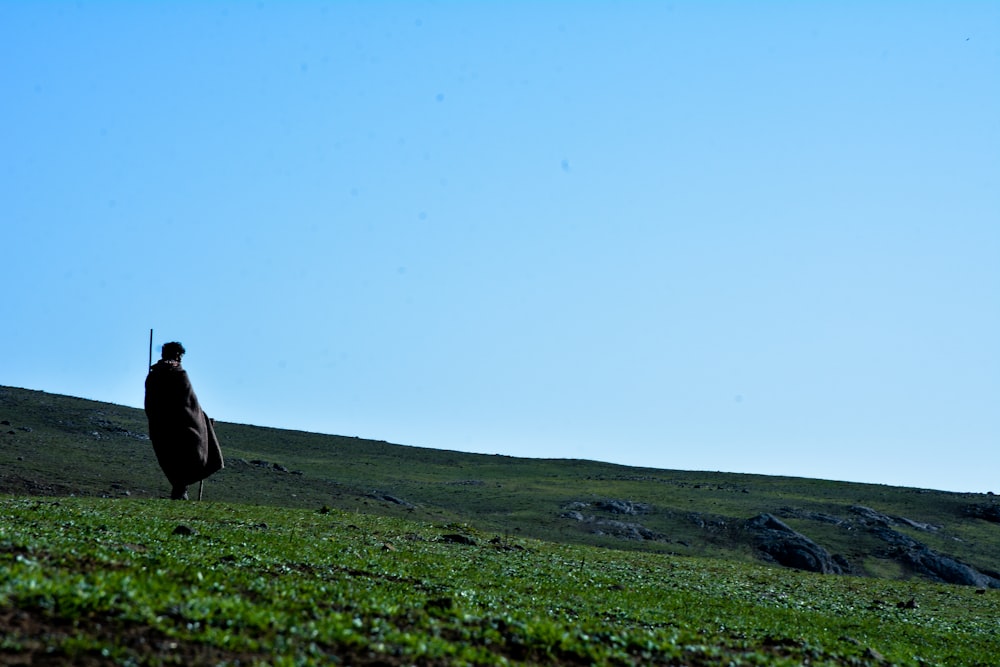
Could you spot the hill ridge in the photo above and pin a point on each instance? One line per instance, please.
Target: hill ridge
(692, 513)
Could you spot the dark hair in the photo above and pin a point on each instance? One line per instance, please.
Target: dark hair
(172, 350)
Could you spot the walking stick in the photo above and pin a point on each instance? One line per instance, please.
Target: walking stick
(201, 488)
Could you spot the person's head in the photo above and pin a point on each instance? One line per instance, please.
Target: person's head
(172, 351)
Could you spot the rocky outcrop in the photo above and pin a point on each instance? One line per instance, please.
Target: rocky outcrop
(389, 498)
(625, 530)
(795, 513)
(782, 545)
(622, 507)
(870, 517)
(945, 569)
(931, 564)
(985, 511)
(905, 550)
(916, 556)
(597, 525)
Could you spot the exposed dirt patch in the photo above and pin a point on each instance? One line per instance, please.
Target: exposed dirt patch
(34, 632)
(16, 485)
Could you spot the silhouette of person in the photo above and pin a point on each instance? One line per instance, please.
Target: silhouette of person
(184, 439)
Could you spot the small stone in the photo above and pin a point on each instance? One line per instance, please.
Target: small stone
(872, 654)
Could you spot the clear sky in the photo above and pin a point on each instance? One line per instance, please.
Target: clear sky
(757, 237)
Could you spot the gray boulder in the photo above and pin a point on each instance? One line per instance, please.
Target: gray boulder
(782, 545)
(931, 564)
(870, 518)
(945, 569)
(625, 530)
(986, 511)
(622, 507)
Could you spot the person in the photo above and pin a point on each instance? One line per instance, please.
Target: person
(184, 439)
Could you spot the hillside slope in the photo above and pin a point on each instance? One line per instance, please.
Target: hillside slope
(59, 445)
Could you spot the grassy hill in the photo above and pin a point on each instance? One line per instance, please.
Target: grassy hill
(316, 549)
(99, 582)
(59, 445)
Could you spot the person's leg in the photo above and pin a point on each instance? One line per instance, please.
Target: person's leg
(179, 492)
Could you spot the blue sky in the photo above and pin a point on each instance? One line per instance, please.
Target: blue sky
(750, 237)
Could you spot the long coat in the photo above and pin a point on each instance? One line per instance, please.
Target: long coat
(184, 439)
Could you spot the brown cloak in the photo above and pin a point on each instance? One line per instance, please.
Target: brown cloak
(183, 436)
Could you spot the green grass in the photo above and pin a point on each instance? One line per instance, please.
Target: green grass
(108, 581)
(698, 513)
(337, 557)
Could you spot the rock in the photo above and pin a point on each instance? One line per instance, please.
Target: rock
(611, 506)
(929, 563)
(622, 507)
(872, 654)
(268, 465)
(910, 553)
(181, 529)
(945, 569)
(710, 522)
(620, 529)
(795, 513)
(625, 530)
(456, 538)
(378, 495)
(501, 544)
(870, 517)
(926, 527)
(779, 543)
(986, 511)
